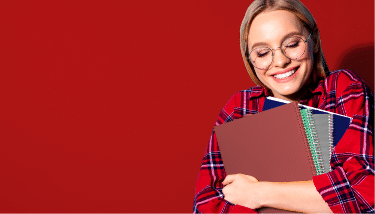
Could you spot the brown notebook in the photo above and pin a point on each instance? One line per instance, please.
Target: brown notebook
(270, 145)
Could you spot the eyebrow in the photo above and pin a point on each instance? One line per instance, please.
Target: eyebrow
(284, 37)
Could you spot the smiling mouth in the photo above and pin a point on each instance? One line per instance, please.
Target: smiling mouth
(285, 75)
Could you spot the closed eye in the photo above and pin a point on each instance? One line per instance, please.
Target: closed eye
(292, 45)
(263, 53)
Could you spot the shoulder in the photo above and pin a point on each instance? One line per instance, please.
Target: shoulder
(238, 105)
(248, 94)
(242, 98)
(349, 93)
(344, 80)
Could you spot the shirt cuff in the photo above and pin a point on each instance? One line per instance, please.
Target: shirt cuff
(336, 191)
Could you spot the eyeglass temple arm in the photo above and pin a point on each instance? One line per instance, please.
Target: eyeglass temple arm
(308, 37)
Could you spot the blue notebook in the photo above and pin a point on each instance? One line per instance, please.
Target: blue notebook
(340, 122)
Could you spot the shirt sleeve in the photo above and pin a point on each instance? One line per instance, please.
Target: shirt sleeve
(208, 193)
(349, 187)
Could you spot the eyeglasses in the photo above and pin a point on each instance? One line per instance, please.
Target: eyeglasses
(293, 48)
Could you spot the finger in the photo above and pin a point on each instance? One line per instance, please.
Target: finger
(229, 179)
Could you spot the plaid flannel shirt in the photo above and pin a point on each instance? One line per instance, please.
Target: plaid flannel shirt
(348, 188)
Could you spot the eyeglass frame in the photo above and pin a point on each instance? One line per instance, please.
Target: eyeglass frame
(282, 51)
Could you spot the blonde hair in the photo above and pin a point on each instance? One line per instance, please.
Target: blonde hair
(320, 69)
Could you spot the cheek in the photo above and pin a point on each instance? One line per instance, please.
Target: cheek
(309, 63)
(308, 54)
(261, 76)
(308, 60)
(260, 73)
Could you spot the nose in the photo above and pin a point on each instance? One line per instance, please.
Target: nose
(279, 59)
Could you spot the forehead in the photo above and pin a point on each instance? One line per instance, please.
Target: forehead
(271, 27)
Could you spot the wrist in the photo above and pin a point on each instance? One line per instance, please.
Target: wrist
(260, 190)
(266, 193)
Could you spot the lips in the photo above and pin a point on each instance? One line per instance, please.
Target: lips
(285, 71)
(285, 75)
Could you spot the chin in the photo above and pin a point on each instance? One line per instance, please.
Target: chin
(288, 92)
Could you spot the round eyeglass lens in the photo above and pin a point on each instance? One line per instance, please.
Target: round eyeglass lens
(294, 47)
(261, 57)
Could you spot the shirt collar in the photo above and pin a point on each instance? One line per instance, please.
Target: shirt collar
(259, 91)
(318, 89)
(313, 91)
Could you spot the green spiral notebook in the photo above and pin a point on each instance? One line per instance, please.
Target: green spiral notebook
(318, 132)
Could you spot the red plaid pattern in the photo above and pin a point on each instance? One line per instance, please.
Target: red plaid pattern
(348, 188)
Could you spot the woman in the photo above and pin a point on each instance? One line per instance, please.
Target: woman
(281, 48)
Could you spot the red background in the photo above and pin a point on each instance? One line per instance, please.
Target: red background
(108, 106)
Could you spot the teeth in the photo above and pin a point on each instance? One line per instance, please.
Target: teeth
(285, 75)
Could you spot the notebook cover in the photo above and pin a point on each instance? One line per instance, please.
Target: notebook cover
(340, 122)
(270, 145)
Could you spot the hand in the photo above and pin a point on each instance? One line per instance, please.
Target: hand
(242, 190)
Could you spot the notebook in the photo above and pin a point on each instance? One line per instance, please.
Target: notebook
(318, 132)
(323, 126)
(270, 145)
(340, 123)
(312, 138)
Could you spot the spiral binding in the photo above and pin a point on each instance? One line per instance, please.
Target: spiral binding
(312, 138)
(330, 137)
(304, 139)
(316, 141)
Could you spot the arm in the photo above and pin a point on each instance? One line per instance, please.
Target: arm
(299, 196)
(208, 193)
(349, 187)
